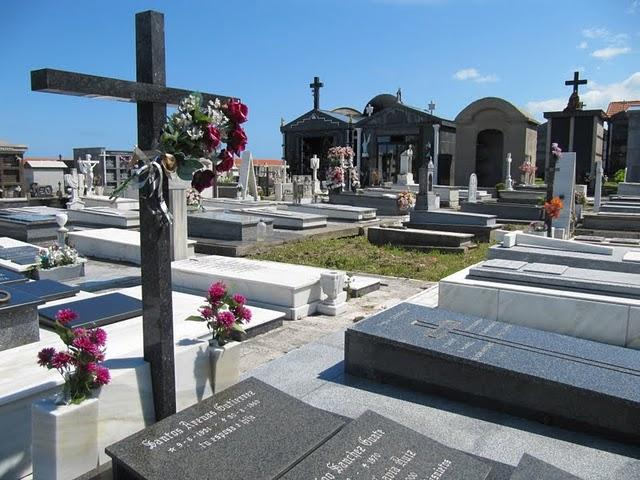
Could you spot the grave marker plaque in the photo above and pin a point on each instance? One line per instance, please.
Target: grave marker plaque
(248, 431)
(373, 447)
(96, 311)
(7, 277)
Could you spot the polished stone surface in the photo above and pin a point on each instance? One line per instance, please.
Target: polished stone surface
(226, 226)
(8, 277)
(573, 382)
(531, 468)
(48, 290)
(373, 447)
(251, 417)
(98, 311)
(18, 318)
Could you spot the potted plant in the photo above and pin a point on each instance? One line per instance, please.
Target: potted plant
(65, 427)
(580, 202)
(194, 200)
(59, 263)
(225, 316)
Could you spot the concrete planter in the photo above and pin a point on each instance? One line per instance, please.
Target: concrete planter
(64, 439)
(224, 365)
(65, 272)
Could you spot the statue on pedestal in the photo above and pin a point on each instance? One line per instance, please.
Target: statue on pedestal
(315, 165)
(86, 167)
(406, 167)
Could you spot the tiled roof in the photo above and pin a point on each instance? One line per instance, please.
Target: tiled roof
(623, 106)
(261, 162)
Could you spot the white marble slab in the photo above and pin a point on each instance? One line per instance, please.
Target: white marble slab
(600, 317)
(288, 219)
(7, 242)
(126, 404)
(120, 203)
(335, 211)
(559, 244)
(105, 217)
(113, 244)
(292, 289)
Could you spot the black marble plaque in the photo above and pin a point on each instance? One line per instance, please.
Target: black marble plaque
(531, 468)
(7, 277)
(373, 447)
(48, 290)
(558, 379)
(249, 431)
(96, 311)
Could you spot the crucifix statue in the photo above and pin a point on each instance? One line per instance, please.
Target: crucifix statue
(316, 86)
(86, 167)
(152, 96)
(574, 100)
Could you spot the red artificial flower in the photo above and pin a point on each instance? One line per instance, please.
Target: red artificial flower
(226, 319)
(217, 291)
(65, 316)
(237, 111)
(244, 313)
(206, 312)
(45, 356)
(227, 161)
(212, 137)
(241, 299)
(61, 360)
(553, 207)
(102, 375)
(237, 140)
(202, 179)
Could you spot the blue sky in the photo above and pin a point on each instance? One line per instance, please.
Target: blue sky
(267, 52)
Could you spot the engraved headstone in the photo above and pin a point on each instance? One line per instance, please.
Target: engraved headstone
(247, 182)
(243, 432)
(597, 193)
(374, 447)
(563, 187)
(473, 188)
(72, 181)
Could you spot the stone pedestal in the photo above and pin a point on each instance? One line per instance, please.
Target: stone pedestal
(405, 179)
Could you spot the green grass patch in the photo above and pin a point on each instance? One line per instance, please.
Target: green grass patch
(356, 254)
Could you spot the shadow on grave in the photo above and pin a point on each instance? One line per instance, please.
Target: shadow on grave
(454, 402)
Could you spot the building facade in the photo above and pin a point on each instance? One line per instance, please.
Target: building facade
(11, 156)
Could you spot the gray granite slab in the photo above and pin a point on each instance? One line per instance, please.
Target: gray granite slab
(18, 318)
(373, 447)
(569, 381)
(248, 431)
(505, 264)
(225, 226)
(96, 311)
(531, 468)
(562, 277)
(7, 277)
(547, 268)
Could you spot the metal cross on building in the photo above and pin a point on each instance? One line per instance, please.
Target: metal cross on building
(316, 86)
(152, 97)
(432, 107)
(576, 81)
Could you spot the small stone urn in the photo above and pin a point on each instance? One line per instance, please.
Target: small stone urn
(332, 284)
(61, 220)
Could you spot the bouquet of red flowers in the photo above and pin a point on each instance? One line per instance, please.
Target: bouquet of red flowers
(81, 363)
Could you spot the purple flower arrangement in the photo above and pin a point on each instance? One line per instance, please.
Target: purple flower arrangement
(224, 313)
(81, 363)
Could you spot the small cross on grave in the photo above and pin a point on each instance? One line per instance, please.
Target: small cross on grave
(437, 331)
(316, 86)
(576, 82)
(152, 96)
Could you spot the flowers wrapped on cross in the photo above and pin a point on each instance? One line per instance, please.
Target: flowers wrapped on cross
(197, 143)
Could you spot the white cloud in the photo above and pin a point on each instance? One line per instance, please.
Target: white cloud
(474, 75)
(595, 32)
(596, 96)
(583, 45)
(634, 7)
(610, 52)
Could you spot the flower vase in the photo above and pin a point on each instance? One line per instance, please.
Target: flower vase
(332, 284)
(224, 365)
(64, 438)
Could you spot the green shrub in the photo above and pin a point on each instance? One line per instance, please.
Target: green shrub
(619, 176)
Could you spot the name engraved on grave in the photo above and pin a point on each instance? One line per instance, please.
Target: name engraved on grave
(228, 265)
(373, 447)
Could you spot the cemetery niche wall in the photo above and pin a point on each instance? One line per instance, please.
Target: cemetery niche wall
(486, 130)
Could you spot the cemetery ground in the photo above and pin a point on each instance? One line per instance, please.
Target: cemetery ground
(356, 254)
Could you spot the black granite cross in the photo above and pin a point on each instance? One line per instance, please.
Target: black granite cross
(576, 81)
(316, 86)
(152, 98)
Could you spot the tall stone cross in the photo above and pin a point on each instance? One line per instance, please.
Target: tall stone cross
(316, 86)
(576, 82)
(152, 97)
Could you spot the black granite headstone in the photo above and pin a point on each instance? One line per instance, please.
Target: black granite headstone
(531, 468)
(48, 290)
(7, 277)
(373, 447)
(249, 431)
(555, 378)
(96, 311)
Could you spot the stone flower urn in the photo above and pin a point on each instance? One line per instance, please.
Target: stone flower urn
(332, 284)
(62, 219)
(224, 364)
